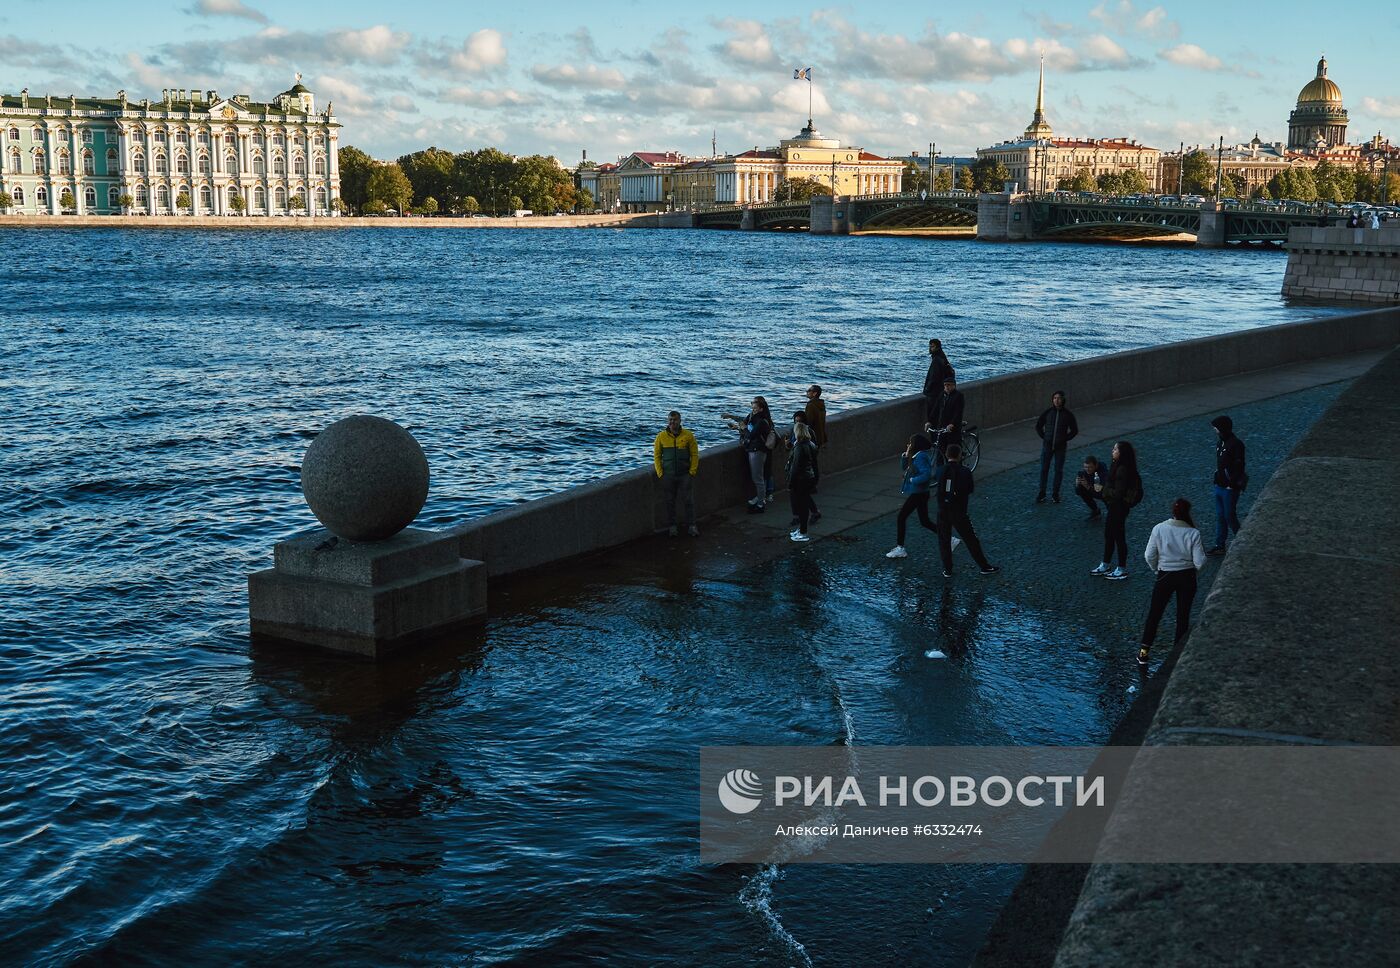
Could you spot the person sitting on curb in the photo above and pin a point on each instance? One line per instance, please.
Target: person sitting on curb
(1055, 428)
(1230, 481)
(1089, 482)
(954, 485)
(946, 418)
(1174, 552)
(917, 464)
(677, 458)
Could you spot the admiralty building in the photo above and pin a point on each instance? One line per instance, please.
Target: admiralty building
(192, 152)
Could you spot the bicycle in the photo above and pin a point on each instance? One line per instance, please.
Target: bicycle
(971, 445)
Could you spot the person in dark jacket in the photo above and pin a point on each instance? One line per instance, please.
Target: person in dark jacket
(804, 417)
(1089, 482)
(802, 475)
(916, 463)
(1121, 492)
(1055, 428)
(938, 369)
(1230, 480)
(953, 485)
(757, 437)
(946, 418)
(815, 414)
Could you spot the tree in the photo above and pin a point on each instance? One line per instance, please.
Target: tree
(236, 202)
(5, 201)
(183, 200)
(125, 201)
(355, 169)
(470, 205)
(66, 200)
(375, 207)
(295, 203)
(1197, 174)
(430, 172)
(583, 201)
(1261, 193)
(429, 206)
(388, 184)
(965, 180)
(989, 175)
(1296, 184)
(516, 203)
(915, 177)
(1081, 181)
(801, 188)
(1110, 183)
(943, 180)
(1231, 185)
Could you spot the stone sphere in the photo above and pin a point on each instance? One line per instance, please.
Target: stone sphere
(365, 478)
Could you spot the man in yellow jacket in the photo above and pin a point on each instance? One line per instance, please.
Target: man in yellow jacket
(677, 459)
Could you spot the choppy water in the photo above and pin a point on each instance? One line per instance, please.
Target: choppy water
(526, 794)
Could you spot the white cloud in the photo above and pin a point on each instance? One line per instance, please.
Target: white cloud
(1192, 56)
(481, 53)
(372, 45)
(1381, 107)
(227, 8)
(351, 99)
(1124, 18)
(748, 43)
(590, 76)
(485, 98)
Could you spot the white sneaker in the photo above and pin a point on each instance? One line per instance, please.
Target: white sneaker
(1102, 569)
(897, 552)
(1117, 574)
(799, 536)
(956, 541)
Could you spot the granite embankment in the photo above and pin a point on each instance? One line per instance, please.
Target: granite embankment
(302, 222)
(1297, 644)
(627, 506)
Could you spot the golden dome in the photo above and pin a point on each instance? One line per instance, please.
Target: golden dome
(1320, 88)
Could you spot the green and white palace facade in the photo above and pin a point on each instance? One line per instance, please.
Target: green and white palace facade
(192, 152)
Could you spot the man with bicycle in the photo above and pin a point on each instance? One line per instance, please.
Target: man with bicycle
(946, 418)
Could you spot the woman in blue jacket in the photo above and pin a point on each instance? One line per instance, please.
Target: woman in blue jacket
(917, 464)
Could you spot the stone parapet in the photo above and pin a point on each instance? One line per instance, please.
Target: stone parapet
(302, 222)
(1344, 264)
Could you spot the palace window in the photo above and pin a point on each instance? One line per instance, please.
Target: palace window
(111, 161)
(203, 164)
(90, 197)
(41, 196)
(16, 166)
(279, 199)
(114, 198)
(87, 136)
(182, 138)
(18, 195)
(259, 166)
(319, 165)
(14, 134)
(230, 164)
(278, 141)
(162, 165)
(138, 163)
(162, 197)
(36, 134)
(65, 164)
(202, 137)
(320, 200)
(228, 139)
(89, 167)
(259, 198)
(140, 196)
(182, 164)
(160, 137)
(279, 165)
(206, 198)
(257, 140)
(39, 160)
(299, 165)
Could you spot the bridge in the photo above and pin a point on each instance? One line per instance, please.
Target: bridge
(1015, 217)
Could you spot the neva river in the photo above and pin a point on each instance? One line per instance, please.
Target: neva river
(526, 795)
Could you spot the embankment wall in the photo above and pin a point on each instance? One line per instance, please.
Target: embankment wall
(1344, 264)
(301, 222)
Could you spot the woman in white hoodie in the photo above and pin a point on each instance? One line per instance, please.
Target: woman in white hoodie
(1175, 553)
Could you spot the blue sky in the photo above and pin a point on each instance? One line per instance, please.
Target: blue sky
(612, 77)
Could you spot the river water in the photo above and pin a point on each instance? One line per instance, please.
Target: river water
(526, 794)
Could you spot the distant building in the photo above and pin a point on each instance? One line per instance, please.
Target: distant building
(277, 157)
(1255, 163)
(1318, 121)
(1038, 161)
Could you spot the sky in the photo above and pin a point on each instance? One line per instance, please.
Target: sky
(614, 77)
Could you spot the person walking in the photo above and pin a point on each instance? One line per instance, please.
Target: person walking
(917, 464)
(938, 369)
(676, 456)
(1055, 428)
(802, 474)
(946, 418)
(954, 485)
(1230, 480)
(1089, 482)
(1175, 553)
(1121, 492)
(757, 437)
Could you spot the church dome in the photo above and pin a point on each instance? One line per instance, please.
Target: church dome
(1321, 89)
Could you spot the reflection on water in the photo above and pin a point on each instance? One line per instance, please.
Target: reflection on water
(524, 792)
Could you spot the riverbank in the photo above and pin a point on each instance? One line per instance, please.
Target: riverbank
(302, 222)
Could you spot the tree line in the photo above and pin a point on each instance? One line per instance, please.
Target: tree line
(459, 183)
(1325, 182)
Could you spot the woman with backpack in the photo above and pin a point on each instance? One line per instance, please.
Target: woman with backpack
(917, 464)
(1174, 552)
(758, 438)
(1120, 492)
(802, 475)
